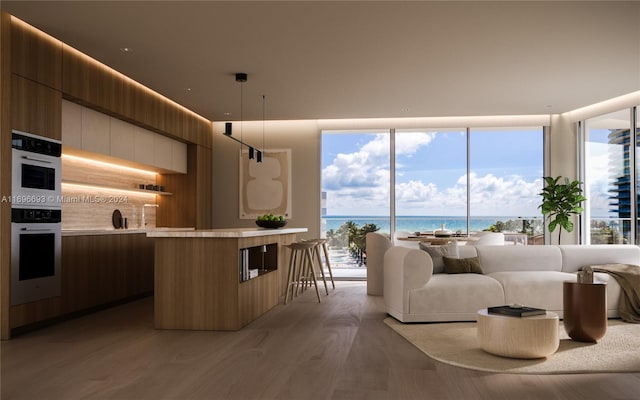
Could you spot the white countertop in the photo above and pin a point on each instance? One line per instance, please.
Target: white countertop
(95, 232)
(223, 233)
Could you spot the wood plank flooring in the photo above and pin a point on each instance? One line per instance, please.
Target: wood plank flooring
(339, 349)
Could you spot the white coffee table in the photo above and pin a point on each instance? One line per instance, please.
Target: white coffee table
(515, 337)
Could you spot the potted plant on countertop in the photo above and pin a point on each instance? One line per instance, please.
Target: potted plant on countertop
(560, 201)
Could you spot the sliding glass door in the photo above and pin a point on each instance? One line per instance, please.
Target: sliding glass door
(608, 180)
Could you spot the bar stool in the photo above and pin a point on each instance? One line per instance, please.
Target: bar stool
(322, 243)
(301, 269)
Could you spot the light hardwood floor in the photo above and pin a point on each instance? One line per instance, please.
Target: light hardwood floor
(340, 349)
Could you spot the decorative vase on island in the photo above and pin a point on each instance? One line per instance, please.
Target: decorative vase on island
(442, 232)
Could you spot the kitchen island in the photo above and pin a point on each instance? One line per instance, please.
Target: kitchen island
(218, 279)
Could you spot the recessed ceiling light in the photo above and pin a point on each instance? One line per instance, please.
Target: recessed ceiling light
(227, 114)
(126, 49)
(187, 89)
(405, 109)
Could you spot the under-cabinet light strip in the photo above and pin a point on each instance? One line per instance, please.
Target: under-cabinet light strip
(107, 164)
(86, 186)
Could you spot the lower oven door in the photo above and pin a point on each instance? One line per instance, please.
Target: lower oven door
(35, 261)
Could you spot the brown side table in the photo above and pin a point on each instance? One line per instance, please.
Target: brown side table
(585, 310)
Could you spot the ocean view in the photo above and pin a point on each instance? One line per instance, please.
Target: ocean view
(420, 223)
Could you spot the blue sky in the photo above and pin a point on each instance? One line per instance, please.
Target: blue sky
(506, 172)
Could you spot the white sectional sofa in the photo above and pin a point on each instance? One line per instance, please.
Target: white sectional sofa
(528, 275)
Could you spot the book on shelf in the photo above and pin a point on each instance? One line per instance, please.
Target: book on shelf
(516, 311)
(253, 273)
(244, 265)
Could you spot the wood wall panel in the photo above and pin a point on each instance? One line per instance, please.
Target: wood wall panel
(35, 55)
(5, 173)
(204, 185)
(79, 77)
(36, 108)
(190, 205)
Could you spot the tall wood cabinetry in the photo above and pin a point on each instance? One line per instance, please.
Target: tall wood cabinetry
(36, 73)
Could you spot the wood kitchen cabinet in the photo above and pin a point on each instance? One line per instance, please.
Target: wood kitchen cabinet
(35, 108)
(36, 56)
(97, 270)
(101, 269)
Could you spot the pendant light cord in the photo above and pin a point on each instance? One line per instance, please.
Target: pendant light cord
(263, 107)
(241, 117)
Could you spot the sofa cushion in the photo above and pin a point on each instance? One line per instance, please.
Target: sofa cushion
(462, 265)
(575, 257)
(540, 289)
(455, 294)
(519, 258)
(437, 252)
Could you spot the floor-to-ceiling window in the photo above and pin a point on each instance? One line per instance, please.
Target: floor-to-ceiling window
(467, 179)
(608, 180)
(505, 181)
(355, 194)
(430, 187)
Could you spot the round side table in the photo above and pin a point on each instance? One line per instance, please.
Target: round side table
(518, 337)
(585, 310)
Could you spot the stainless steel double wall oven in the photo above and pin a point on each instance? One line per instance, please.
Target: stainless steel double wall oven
(36, 218)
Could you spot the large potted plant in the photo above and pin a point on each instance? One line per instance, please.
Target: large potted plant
(560, 201)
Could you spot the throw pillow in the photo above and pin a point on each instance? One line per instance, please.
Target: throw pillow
(437, 252)
(462, 265)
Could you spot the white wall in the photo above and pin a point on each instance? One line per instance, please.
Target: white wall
(563, 155)
(302, 137)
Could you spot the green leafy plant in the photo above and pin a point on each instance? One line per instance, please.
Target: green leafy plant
(560, 201)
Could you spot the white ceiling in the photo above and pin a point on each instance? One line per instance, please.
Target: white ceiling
(358, 59)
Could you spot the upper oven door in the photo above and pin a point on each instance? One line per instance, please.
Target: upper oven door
(36, 180)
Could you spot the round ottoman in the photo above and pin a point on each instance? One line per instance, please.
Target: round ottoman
(518, 337)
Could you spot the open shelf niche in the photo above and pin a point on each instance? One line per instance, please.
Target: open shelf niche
(257, 261)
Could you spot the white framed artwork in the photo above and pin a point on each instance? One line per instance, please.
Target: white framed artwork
(265, 188)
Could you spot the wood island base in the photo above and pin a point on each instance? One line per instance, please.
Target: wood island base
(198, 280)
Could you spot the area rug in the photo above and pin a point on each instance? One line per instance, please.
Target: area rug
(455, 343)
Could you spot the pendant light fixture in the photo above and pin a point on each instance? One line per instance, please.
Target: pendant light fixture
(228, 126)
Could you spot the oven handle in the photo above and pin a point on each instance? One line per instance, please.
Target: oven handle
(36, 229)
(36, 159)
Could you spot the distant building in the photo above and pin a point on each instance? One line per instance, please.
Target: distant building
(620, 198)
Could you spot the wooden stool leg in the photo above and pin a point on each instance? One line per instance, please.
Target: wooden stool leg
(326, 259)
(290, 275)
(299, 273)
(316, 251)
(313, 274)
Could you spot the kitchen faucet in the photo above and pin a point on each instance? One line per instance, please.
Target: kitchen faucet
(144, 218)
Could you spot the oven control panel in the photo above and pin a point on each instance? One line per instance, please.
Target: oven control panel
(28, 215)
(33, 144)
